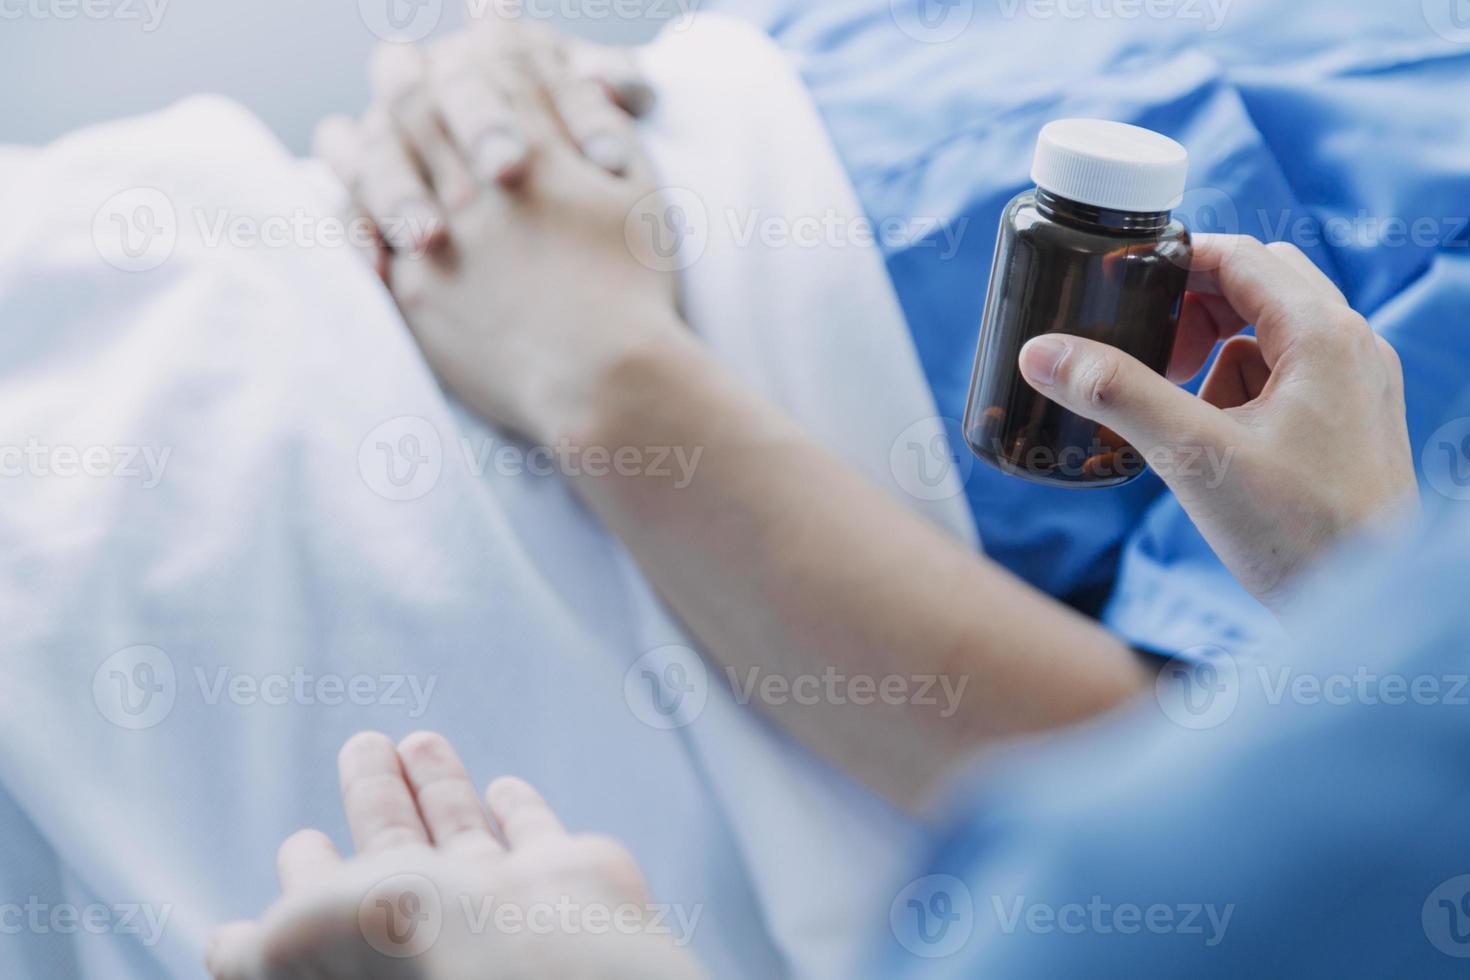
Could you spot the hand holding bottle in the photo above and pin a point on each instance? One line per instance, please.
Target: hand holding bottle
(1298, 437)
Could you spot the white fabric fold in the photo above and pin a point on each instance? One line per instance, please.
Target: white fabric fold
(239, 520)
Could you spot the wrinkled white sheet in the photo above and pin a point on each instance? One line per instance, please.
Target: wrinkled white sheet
(206, 587)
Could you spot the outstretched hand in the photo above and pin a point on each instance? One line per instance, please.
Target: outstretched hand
(444, 889)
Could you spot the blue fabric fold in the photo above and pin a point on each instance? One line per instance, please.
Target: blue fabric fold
(1344, 127)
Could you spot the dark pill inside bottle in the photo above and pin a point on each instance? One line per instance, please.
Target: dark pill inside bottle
(1092, 251)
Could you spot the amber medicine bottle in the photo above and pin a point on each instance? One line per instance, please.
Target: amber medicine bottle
(1094, 251)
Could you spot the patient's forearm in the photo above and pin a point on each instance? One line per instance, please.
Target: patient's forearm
(785, 563)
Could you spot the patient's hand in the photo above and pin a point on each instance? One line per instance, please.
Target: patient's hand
(435, 893)
(1298, 437)
(440, 125)
(540, 296)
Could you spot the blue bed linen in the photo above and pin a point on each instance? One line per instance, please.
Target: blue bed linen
(1318, 122)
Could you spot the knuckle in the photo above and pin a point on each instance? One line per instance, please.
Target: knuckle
(1390, 355)
(410, 292)
(1349, 322)
(1250, 246)
(1342, 333)
(503, 67)
(1356, 329)
(580, 91)
(1287, 251)
(423, 745)
(278, 954)
(390, 837)
(607, 858)
(1393, 365)
(1100, 382)
(412, 112)
(580, 108)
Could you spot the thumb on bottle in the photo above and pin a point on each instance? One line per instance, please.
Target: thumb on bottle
(1111, 388)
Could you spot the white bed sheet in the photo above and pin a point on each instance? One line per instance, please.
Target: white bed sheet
(491, 607)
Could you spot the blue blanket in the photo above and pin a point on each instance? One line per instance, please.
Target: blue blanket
(1341, 126)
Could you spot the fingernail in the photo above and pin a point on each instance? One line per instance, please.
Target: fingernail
(498, 156)
(608, 152)
(1042, 357)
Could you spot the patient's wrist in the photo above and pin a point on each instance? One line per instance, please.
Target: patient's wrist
(606, 395)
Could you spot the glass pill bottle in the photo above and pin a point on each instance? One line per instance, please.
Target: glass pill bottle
(1092, 251)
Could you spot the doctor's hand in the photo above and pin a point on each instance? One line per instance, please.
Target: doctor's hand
(1298, 437)
(438, 892)
(441, 124)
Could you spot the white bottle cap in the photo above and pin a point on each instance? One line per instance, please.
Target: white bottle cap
(1110, 165)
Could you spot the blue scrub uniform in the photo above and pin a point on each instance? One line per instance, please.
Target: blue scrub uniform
(1303, 816)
